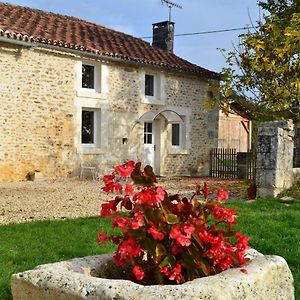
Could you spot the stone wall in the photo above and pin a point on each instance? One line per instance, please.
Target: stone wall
(275, 158)
(36, 113)
(40, 115)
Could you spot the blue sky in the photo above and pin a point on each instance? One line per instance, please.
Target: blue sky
(136, 17)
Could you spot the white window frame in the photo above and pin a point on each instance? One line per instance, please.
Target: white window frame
(158, 91)
(97, 128)
(95, 76)
(185, 128)
(100, 75)
(182, 135)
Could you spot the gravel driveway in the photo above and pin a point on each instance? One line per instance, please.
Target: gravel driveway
(69, 198)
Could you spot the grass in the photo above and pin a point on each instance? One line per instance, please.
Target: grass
(273, 227)
(24, 246)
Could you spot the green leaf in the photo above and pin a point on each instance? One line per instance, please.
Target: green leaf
(160, 250)
(172, 219)
(168, 261)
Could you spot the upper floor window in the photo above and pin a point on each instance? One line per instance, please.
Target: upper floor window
(88, 76)
(149, 85)
(91, 79)
(153, 88)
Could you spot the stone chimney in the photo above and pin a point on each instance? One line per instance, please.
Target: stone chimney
(163, 35)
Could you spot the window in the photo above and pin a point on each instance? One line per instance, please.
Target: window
(152, 88)
(88, 127)
(179, 135)
(147, 133)
(176, 135)
(149, 85)
(88, 76)
(90, 118)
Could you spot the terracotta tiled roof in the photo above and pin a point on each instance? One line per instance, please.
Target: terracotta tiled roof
(32, 25)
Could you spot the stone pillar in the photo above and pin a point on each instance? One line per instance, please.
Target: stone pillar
(274, 165)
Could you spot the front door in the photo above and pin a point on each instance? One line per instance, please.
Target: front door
(149, 146)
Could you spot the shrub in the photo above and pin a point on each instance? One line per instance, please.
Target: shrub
(169, 239)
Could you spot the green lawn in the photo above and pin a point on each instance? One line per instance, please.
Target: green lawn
(273, 226)
(24, 246)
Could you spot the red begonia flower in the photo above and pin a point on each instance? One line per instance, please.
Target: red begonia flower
(112, 187)
(138, 272)
(128, 189)
(157, 235)
(108, 178)
(138, 222)
(224, 214)
(102, 237)
(121, 222)
(107, 208)
(175, 274)
(189, 230)
(126, 169)
(177, 235)
(222, 195)
(127, 250)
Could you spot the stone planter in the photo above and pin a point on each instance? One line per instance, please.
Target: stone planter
(269, 277)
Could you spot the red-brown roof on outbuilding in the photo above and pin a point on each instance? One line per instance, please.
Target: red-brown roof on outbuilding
(36, 26)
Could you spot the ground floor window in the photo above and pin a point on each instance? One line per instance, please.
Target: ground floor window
(90, 131)
(178, 135)
(148, 133)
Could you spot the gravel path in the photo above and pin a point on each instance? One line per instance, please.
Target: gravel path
(70, 198)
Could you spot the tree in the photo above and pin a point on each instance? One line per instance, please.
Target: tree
(265, 67)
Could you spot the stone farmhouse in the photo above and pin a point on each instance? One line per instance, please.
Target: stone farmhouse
(73, 92)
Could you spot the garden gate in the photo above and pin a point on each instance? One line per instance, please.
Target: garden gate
(230, 164)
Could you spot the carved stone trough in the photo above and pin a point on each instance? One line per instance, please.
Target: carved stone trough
(267, 277)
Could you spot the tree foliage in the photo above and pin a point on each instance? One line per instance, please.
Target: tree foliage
(265, 66)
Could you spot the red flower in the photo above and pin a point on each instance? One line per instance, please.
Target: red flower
(160, 194)
(224, 214)
(138, 272)
(102, 237)
(242, 241)
(205, 236)
(222, 195)
(108, 178)
(107, 208)
(175, 273)
(149, 196)
(127, 250)
(121, 222)
(139, 221)
(165, 270)
(128, 189)
(177, 235)
(157, 235)
(189, 230)
(112, 187)
(126, 169)
(244, 271)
